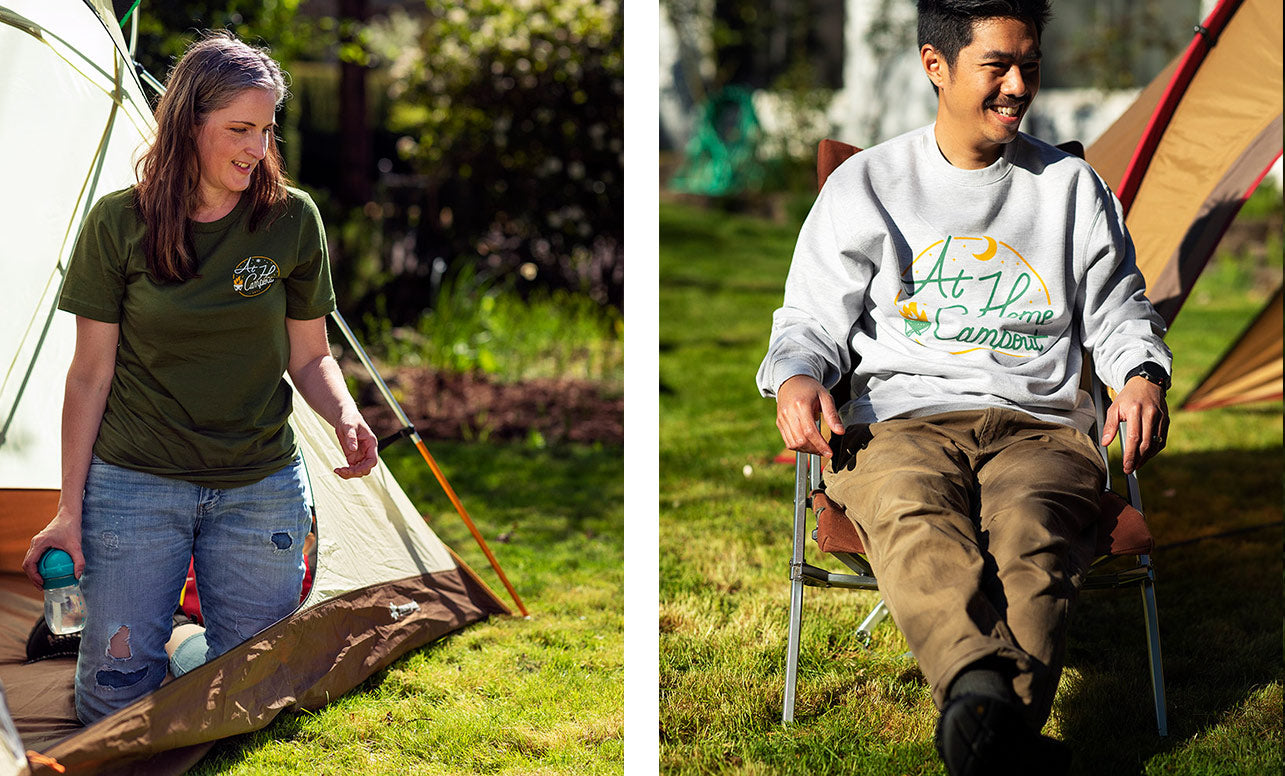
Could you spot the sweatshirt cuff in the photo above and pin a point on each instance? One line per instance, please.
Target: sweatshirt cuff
(784, 370)
(1127, 363)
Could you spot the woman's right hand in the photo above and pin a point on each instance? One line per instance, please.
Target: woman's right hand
(62, 532)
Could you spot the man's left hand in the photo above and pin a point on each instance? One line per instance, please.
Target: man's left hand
(1141, 406)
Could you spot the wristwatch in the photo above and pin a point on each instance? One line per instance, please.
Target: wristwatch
(1152, 373)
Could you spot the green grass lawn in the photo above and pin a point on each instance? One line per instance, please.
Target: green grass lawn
(507, 696)
(725, 546)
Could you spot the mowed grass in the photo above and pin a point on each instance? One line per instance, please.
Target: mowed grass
(506, 696)
(1213, 500)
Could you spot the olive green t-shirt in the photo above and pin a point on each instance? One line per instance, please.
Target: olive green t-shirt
(198, 392)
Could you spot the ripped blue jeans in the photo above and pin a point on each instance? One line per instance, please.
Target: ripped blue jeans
(138, 533)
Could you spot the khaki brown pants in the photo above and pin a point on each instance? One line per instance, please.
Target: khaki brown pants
(980, 526)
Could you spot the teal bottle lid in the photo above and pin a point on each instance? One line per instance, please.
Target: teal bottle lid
(56, 569)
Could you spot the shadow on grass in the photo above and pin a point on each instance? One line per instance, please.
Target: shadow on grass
(1218, 588)
(576, 485)
(553, 516)
(674, 282)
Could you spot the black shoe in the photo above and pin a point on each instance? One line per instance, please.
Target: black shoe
(978, 735)
(43, 643)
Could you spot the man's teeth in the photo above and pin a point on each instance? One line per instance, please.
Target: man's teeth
(1003, 111)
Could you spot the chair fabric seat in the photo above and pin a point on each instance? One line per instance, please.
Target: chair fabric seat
(1121, 531)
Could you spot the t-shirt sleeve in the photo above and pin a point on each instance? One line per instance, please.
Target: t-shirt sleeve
(94, 286)
(309, 293)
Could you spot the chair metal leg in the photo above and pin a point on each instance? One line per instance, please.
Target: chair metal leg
(1153, 655)
(801, 478)
(872, 620)
(792, 648)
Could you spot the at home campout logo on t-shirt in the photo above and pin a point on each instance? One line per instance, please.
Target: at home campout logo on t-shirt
(254, 275)
(962, 294)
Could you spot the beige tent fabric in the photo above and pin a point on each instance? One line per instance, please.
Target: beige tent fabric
(56, 63)
(1228, 119)
(1251, 371)
(368, 531)
(1111, 152)
(1221, 138)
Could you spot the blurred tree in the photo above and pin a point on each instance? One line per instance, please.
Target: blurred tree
(355, 168)
(1114, 44)
(511, 114)
(165, 29)
(758, 42)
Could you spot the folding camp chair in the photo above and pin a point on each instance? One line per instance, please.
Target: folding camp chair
(1122, 532)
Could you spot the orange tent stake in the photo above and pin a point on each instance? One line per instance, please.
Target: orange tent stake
(450, 493)
(409, 430)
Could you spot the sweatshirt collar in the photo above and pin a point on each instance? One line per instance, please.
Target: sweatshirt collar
(985, 176)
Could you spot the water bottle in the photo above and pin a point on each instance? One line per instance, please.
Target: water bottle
(64, 604)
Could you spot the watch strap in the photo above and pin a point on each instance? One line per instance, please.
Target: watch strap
(1152, 373)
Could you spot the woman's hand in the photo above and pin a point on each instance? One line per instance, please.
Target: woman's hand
(321, 384)
(359, 444)
(62, 532)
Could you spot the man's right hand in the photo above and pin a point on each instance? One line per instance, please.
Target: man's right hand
(799, 401)
(62, 532)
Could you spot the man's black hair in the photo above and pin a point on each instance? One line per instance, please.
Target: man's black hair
(947, 25)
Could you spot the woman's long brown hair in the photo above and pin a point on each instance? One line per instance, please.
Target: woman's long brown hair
(212, 72)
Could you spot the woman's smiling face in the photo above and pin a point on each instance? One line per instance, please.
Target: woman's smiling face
(231, 143)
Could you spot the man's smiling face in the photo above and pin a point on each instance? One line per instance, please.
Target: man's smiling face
(984, 95)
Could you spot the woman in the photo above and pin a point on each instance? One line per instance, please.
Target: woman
(194, 291)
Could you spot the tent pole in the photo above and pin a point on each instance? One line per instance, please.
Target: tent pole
(423, 451)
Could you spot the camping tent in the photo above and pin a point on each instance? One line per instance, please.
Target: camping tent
(1183, 158)
(384, 584)
(1251, 371)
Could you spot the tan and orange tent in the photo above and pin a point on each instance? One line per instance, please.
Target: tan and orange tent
(76, 117)
(1251, 370)
(1184, 157)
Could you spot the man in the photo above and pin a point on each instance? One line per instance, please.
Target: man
(967, 266)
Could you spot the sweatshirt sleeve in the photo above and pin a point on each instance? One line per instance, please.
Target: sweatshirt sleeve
(824, 295)
(1121, 328)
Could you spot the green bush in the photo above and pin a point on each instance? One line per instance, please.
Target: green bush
(511, 114)
(479, 325)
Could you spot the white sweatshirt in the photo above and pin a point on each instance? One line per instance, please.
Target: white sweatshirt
(963, 289)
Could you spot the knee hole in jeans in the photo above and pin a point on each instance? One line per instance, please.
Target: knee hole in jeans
(118, 649)
(118, 645)
(119, 679)
(282, 540)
